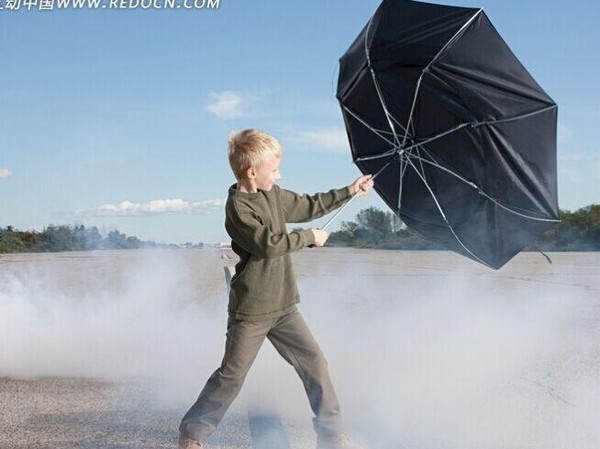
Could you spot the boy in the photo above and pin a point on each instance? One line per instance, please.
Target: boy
(264, 294)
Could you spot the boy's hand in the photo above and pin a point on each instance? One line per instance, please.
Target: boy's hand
(362, 185)
(320, 236)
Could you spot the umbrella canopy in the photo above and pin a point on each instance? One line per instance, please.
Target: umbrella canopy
(460, 135)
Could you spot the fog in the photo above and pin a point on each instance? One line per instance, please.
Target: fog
(426, 350)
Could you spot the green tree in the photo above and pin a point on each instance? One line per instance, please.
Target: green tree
(66, 238)
(374, 226)
(10, 241)
(116, 240)
(56, 238)
(345, 236)
(88, 239)
(375, 220)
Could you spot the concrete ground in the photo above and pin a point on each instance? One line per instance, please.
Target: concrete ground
(427, 350)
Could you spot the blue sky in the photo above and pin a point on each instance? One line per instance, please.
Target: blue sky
(120, 119)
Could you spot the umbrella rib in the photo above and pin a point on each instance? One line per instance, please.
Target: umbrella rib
(452, 39)
(433, 161)
(400, 125)
(440, 135)
(482, 192)
(378, 156)
(383, 131)
(390, 118)
(383, 105)
(517, 117)
(376, 84)
(403, 167)
(399, 205)
(428, 154)
(476, 124)
(426, 69)
(444, 215)
(377, 132)
(367, 125)
(420, 162)
(412, 107)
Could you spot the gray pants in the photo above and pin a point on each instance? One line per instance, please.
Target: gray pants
(293, 340)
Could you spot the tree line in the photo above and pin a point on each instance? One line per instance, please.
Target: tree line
(374, 228)
(66, 238)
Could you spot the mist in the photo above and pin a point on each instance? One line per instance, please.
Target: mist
(426, 349)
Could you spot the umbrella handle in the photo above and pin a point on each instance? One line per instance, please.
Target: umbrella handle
(354, 196)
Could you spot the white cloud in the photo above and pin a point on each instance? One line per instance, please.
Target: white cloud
(172, 206)
(328, 138)
(226, 104)
(5, 173)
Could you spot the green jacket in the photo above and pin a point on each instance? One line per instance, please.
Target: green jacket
(264, 284)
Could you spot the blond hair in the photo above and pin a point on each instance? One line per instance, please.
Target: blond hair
(247, 148)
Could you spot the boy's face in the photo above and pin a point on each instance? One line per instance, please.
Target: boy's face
(267, 174)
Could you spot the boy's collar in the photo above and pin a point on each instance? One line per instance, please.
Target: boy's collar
(239, 192)
(247, 185)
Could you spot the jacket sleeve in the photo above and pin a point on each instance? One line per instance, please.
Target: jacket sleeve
(301, 208)
(246, 229)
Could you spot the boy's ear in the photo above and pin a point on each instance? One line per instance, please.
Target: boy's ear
(251, 173)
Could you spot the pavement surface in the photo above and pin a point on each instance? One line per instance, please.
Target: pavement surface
(91, 344)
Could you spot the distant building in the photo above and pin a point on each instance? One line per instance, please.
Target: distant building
(190, 245)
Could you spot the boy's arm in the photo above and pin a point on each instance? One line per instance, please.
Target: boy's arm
(256, 238)
(301, 208)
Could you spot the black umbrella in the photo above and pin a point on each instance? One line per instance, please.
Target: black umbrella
(460, 135)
